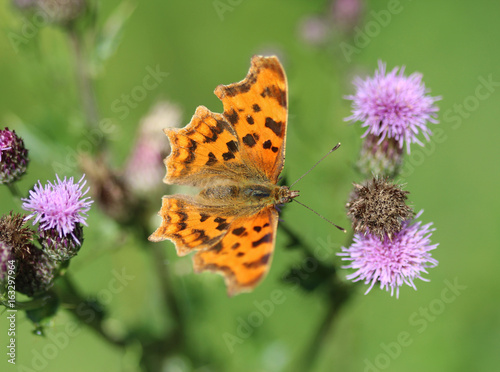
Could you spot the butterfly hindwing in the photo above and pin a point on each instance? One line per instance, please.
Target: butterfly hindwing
(189, 224)
(244, 254)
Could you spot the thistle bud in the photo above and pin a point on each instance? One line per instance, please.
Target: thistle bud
(36, 271)
(13, 156)
(382, 158)
(61, 248)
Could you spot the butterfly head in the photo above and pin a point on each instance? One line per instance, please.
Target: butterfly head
(285, 195)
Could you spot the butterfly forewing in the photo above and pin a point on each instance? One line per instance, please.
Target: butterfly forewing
(206, 149)
(257, 108)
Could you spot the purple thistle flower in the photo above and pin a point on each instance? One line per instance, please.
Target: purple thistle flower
(59, 206)
(13, 156)
(394, 262)
(393, 105)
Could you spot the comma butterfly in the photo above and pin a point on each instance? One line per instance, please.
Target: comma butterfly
(236, 158)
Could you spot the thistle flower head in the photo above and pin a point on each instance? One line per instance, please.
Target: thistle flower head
(391, 263)
(13, 156)
(14, 237)
(60, 205)
(35, 272)
(393, 105)
(378, 208)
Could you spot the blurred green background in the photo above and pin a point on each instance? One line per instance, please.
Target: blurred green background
(201, 44)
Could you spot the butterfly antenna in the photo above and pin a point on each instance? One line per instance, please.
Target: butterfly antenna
(314, 166)
(326, 219)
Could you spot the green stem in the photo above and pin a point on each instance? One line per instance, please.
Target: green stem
(337, 296)
(85, 84)
(295, 239)
(155, 351)
(166, 286)
(336, 302)
(14, 190)
(32, 304)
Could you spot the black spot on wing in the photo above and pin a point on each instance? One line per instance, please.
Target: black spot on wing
(250, 119)
(265, 239)
(256, 108)
(228, 156)
(222, 224)
(211, 159)
(275, 126)
(259, 262)
(249, 140)
(201, 235)
(221, 126)
(232, 117)
(275, 92)
(215, 131)
(239, 231)
(232, 146)
(217, 247)
(267, 144)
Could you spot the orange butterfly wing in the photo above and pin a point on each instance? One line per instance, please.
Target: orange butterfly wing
(189, 224)
(244, 255)
(257, 109)
(206, 149)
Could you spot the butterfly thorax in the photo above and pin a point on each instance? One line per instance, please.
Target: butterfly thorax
(259, 194)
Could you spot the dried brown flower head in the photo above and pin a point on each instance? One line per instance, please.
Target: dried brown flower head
(14, 234)
(378, 208)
